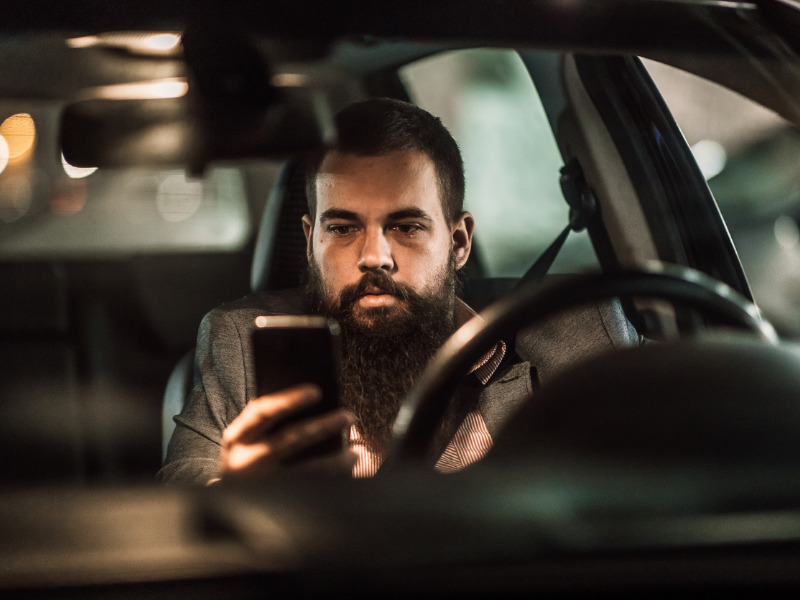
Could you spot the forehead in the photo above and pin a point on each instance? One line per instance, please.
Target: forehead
(372, 185)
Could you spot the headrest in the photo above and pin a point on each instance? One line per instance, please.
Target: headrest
(279, 257)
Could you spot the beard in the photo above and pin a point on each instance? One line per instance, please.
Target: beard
(383, 350)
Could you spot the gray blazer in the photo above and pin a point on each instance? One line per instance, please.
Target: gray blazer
(224, 374)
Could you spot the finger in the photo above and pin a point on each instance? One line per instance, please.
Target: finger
(261, 414)
(243, 459)
(273, 451)
(269, 452)
(297, 437)
(258, 460)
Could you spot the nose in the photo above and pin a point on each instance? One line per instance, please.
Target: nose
(376, 252)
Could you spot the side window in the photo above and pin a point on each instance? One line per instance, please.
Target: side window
(750, 157)
(487, 100)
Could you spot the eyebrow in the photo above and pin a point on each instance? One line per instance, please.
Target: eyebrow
(410, 213)
(347, 215)
(336, 213)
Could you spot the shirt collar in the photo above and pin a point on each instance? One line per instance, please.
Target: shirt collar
(487, 364)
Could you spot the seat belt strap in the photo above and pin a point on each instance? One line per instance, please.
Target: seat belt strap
(582, 207)
(542, 265)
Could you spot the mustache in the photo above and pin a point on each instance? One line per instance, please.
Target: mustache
(369, 283)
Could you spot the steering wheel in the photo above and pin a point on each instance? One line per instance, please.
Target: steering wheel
(426, 403)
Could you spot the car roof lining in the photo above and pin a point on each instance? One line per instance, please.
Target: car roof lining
(65, 71)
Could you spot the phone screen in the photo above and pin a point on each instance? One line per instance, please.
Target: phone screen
(294, 349)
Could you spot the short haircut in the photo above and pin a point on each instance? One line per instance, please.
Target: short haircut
(382, 126)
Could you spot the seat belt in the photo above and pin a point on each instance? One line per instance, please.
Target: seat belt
(582, 208)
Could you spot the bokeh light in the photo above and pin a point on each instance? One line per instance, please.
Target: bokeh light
(19, 132)
(76, 172)
(4, 154)
(163, 41)
(15, 198)
(136, 42)
(143, 90)
(178, 198)
(68, 196)
(786, 232)
(710, 156)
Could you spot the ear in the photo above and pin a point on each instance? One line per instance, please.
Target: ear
(308, 229)
(462, 238)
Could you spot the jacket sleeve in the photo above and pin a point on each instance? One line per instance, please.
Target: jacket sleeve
(221, 387)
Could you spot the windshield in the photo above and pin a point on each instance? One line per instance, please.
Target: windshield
(49, 208)
(626, 421)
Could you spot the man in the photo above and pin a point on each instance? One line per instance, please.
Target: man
(386, 237)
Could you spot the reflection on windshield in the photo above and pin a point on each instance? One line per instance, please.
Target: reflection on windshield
(49, 207)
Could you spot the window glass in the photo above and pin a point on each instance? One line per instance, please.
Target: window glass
(750, 157)
(48, 207)
(487, 100)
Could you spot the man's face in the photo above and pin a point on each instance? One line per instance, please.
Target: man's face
(384, 215)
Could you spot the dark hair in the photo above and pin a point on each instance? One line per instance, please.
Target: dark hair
(382, 126)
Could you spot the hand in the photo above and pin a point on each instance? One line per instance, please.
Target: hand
(251, 444)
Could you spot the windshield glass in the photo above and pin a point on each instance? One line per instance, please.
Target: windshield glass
(50, 208)
(576, 450)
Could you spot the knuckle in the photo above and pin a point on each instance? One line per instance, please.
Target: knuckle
(228, 437)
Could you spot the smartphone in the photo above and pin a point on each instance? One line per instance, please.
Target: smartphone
(293, 349)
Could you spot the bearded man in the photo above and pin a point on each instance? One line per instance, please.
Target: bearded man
(386, 238)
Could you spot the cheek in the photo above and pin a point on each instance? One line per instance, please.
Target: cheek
(333, 265)
(427, 268)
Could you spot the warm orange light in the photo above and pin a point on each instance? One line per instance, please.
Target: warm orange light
(163, 43)
(20, 135)
(174, 87)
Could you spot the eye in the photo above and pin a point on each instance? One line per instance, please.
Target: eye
(407, 228)
(340, 230)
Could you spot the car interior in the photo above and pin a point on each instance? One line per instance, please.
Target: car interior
(151, 169)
